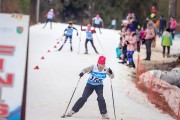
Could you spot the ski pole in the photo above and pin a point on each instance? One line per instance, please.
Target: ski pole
(113, 99)
(64, 115)
(79, 43)
(100, 43)
(61, 38)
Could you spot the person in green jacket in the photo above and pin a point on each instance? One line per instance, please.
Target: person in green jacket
(166, 42)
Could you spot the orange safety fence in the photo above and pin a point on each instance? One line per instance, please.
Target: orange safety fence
(160, 93)
(179, 113)
(178, 118)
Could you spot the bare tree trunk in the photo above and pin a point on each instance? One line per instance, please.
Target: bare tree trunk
(2, 6)
(33, 11)
(172, 8)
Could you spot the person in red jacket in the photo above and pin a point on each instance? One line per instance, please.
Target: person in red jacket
(153, 12)
(89, 37)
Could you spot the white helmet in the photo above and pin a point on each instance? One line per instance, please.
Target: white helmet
(51, 10)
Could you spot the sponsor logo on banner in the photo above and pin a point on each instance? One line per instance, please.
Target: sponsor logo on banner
(19, 29)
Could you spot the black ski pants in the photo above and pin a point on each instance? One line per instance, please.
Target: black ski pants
(92, 43)
(48, 20)
(87, 92)
(164, 49)
(148, 48)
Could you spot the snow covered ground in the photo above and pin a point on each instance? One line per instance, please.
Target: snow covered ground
(50, 88)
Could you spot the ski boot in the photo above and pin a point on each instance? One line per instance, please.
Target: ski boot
(86, 52)
(70, 113)
(105, 116)
(168, 56)
(71, 49)
(130, 65)
(96, 52)
(120, 61)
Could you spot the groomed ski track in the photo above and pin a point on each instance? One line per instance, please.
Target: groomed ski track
(51, 86)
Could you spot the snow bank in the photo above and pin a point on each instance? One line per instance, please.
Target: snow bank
(170, 92)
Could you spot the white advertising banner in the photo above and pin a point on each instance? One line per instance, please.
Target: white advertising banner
(14, 30)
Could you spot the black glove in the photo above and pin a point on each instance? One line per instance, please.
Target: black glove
(110, 71)
(127, 42)
(94, 31)
(81, 74)
(143, 41)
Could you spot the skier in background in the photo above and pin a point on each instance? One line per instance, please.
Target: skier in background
(98, 73)
(49, 17)
(68, 32)
(89, 37)
(113, 24)
(98, 22)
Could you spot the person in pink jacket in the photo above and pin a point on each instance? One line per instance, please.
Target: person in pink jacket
(149, 36)
(130, 40)
(173, 25)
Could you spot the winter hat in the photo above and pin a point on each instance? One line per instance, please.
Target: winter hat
(129, 30)
(97, 15)
(150, 23)
(70, 22)
(102, 60)
(51, 10)
(88, 25)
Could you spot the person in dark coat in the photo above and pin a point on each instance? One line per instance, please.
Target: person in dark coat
(162, 25)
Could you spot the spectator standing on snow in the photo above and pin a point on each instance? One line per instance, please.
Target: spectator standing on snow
(122, 33)
(124, 49)
(98, 73)
(119, 51)
(149, 37)
(131, 25)
(166, 42)
(162, 25)
(173, 25)
(153, 12)
(138, 39)
(145, 23)
(130, 41)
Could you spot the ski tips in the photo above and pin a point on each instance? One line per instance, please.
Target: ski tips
(63, 116)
